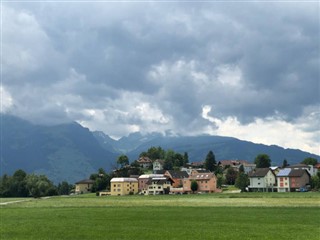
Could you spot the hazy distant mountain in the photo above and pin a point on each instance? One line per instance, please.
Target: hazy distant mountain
(63, 152)
(197, 147)
(71, 152)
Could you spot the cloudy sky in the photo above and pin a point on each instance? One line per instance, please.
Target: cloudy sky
(243, 69)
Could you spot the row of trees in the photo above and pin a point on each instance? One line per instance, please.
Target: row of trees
(21, 184)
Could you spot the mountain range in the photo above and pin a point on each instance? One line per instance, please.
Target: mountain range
(71, 152)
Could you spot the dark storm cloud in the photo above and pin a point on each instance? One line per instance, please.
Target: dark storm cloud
(123, 60)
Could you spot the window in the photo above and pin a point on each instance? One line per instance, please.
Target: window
(119, 189)
(114, 185)
(258, 183)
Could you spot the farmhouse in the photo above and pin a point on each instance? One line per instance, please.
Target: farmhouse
(84, 186)
(123, 186)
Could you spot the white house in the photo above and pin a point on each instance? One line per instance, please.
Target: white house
(158, 165)
(158, 185)
(262, 179)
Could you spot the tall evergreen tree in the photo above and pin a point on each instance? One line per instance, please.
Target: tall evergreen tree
(210, 162)
(285, 163)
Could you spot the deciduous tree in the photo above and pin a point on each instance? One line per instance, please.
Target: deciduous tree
(310, 161)
(262, 161)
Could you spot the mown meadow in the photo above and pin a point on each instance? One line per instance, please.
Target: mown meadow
(208, 216)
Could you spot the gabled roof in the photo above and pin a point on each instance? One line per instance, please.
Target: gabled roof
(159, 181)
(85, 181)
(144, 160)
(298, 172)
(259, 172)
(178, 174)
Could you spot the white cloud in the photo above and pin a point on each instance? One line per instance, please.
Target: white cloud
(271, 130)
(6, 100)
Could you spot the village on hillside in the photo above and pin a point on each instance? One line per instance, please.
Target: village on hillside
(205, 177)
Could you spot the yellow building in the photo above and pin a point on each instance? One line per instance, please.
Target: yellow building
(84, 186)
(123, 186)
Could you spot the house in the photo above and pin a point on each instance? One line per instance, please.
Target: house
(275, 169)
(207, 182)
(248, 167)
(144, 162)
(84, 186)
(143, 179)
(283, 182)
(158, 165)
(158, 185)
(311, 169)
(196, 164)
(231, 163)
(262, 180)
(177, 177)
(123, 186)
(299, 178)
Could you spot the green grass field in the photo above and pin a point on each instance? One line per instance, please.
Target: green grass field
(213, 216)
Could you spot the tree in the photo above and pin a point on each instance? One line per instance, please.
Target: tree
(231, 176)
(194, 186)
(315, 182)
(310, 161)
(262, 161)
(220, 180)
(285, 163)
(185, 159)
(210, 162)
(64, 188)
(101, 180)
(154, 153)
(123, 160)
(40, 186)
(242, 181)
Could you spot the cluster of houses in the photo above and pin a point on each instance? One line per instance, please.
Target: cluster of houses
(273, 179)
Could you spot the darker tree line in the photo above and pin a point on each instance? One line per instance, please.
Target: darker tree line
(21, 184)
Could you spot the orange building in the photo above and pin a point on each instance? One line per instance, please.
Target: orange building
(207, 182)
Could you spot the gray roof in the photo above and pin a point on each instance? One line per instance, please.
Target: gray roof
(298, 172)
(259, 172)
(178, 174)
